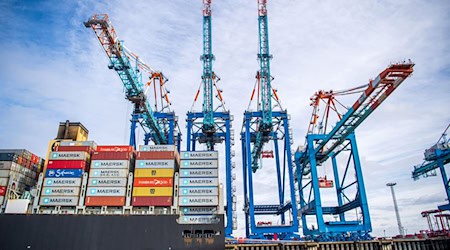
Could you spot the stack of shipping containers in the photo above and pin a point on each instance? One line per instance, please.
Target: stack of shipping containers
(19, 170)
(64, 173)
(107, 185)
(198, 187)
(154, 176)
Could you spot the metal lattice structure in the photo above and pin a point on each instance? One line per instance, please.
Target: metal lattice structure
(437, 156)
(158, 121)
(269, 124)
(338, 143)
(213, 125)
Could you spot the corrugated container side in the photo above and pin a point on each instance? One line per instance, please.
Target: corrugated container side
(198, 201)
(198, 173)
(152, 191)
(105, 191)
(119, 164)
(4, 181)
(107, 182)
(5, 165)
(153, 182)
(155, 163)
(198, 182)
(198, 191)
(155, 155)
(112, 155)
(62, 182)
(157, 148)
(92, 144)
(116, 201)
(158, 201)
(86, 149)
(64, 173)
(199, 164)
(59, 201)
(4, 173)
(110, 173)
(153, 172)
(115, 148)
(198, 210)
(79, 164)
(69, 155)
(61, 191)
(199, 155)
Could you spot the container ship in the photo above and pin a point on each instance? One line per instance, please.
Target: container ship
(89, 196)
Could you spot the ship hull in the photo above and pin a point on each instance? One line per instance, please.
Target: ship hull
(107, 232)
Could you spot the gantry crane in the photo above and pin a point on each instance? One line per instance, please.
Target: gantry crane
(213, 125)
(349, 219)
(158, 121)
(437, 156)
(268, 124)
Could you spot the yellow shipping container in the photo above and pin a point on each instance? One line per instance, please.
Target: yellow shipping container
(152, 191)
(153, 172)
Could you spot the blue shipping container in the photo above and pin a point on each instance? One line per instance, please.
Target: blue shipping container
(64, 173)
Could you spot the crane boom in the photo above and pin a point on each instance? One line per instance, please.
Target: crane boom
(375, 93)
(208, 74)
(119, 57)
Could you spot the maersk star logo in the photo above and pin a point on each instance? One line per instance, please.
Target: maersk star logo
(49, 182)
(185, 173)
(185, 209)
(186, 154)
(185, 191)
(47, 191)
(96, 164)
(46, 200)
(185, 163)
(184, 200)
(141, 164)
(95, 172)
(94, 182)
(93, 191)
(185, 181)
(55, 155)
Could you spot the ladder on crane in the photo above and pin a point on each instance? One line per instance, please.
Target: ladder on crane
(269, 124)
(213, 125)
(158, 122)
(337, 143)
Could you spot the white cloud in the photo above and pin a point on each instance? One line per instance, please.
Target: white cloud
(316, 45)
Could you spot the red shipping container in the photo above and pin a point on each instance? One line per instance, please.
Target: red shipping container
(2, 191)
(115, 148)
(86, 149)
(112, 155)
(155, 155)
(94, 201)
(158, 201)
(153, 182)
(66, 164)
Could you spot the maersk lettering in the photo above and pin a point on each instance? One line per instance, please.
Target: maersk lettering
(109, 164)
(108, 191)
(61, 182)
(110, 182)
(75, 155)
(200, 200)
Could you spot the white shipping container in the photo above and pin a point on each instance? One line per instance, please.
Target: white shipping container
(155, 164)
(61, 191)
(58, 201)
(199, 164)
(199, 155)
(69, 155)
(62, 182)
(4, 182)
(5, 165)
(198, 219)
(4, 173)
(107, 182)
(118, 164)
(92, 144)
(105, 191)
(198, 201)
(198, 191)
(117, 173)
(198, 210)
(198, 173)
(198, 182)
(156, 148)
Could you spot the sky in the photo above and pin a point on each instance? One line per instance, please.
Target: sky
(53, 69)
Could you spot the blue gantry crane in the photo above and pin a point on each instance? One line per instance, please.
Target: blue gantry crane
(436, 157)
(269, 123)
(349, 219)
(158, 121)
(213, 125)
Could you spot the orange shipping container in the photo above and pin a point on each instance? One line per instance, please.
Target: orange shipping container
(153, 182)
(94, 201)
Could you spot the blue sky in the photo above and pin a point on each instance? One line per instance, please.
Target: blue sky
(53, 69)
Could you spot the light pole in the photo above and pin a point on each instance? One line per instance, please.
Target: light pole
(397, 214)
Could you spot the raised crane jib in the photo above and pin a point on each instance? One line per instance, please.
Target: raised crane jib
(375, 93)
(208, 74)
(129, 75)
